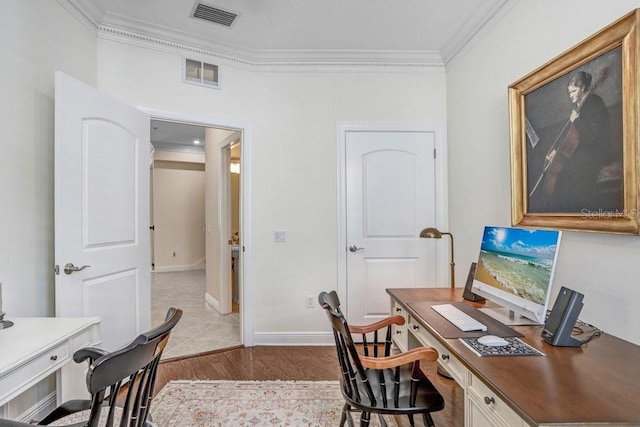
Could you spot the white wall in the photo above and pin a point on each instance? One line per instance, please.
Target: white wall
(293, 162)
(38, 38)
(178, 211)
(604, 267)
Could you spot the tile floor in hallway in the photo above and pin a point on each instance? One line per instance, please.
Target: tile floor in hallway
(201, 328)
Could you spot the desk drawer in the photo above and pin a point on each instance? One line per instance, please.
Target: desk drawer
(446, 359)
(23, 376)
(400, 332)
(484, 404)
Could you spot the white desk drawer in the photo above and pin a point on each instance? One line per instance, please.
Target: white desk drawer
(400, 332)
(488, 403)
(446, 359)
(23, 376)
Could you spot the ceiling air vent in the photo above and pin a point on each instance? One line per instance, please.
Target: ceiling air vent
(213, 14)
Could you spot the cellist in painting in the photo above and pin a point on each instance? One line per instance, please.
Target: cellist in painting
(576, 160)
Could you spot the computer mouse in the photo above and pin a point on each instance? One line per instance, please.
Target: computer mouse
(492, 341)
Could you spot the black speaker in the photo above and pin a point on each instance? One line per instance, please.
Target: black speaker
(558, 327)
(467, 294)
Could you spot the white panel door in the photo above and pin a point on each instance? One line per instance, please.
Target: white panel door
(390, 180)
(102, 210)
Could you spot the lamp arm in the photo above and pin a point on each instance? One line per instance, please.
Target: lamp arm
(452, 262)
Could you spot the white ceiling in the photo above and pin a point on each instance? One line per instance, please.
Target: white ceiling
(177, 136)
(431, 30)
(304, 27)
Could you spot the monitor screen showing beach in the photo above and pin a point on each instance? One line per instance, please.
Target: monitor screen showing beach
(518, 261)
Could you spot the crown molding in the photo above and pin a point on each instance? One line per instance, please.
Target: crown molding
(486, 13)
(122, 29)
(340, 61)
(87, 12)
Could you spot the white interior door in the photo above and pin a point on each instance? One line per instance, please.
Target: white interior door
(102, 210)
(390, 198)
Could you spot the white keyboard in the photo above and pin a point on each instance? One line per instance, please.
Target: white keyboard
(459, 318)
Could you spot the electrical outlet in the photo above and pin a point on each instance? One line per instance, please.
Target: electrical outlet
(311, 301)
(279, 236)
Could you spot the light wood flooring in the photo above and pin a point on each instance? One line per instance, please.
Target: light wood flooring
(301, 363)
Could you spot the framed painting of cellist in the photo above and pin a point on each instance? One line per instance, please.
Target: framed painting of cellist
(575, 137)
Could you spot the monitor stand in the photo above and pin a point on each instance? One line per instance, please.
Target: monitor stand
(4, 324)
(508, 317)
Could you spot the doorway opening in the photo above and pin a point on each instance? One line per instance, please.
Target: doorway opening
(196, 233)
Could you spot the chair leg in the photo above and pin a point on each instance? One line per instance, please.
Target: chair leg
(383, 422)
(365, 418)
(346, 416)
(411, 422)
(343, 417)
(428, 421)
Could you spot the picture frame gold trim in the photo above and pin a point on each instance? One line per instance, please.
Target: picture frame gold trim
(621, 34)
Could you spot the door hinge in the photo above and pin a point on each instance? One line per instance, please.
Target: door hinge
(434, 154)
(56, 270)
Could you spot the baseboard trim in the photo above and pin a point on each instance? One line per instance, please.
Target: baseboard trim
(170, 268)
(214, 303)
(293, 338)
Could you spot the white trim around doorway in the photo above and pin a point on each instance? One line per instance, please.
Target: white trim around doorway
(207, 120)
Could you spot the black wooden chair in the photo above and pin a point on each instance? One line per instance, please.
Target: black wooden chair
(120, 383)
(380, 383)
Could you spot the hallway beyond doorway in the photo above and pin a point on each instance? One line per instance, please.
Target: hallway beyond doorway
(202, 328)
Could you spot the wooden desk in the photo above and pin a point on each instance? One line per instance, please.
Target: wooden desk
(34, 348)
(596, 384)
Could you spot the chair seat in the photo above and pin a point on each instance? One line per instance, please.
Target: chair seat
(427, 396)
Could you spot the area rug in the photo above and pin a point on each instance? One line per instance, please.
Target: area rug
(251, 403)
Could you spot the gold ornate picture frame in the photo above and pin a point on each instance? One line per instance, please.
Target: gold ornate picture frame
(574, 136)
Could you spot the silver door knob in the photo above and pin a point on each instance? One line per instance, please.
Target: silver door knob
(354, 248)
(70, 268)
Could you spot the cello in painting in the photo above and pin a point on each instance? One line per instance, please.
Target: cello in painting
(572, 163)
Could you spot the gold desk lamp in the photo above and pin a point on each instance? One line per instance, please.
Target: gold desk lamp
(434, 233)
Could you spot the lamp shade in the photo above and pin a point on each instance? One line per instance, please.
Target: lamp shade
(431, 233)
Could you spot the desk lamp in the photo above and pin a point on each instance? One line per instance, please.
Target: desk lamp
(434, 233)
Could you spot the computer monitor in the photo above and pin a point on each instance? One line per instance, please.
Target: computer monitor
(515, 270)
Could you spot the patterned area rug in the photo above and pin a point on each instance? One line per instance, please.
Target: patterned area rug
(251, 403)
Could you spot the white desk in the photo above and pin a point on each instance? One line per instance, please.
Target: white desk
(34, 348)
